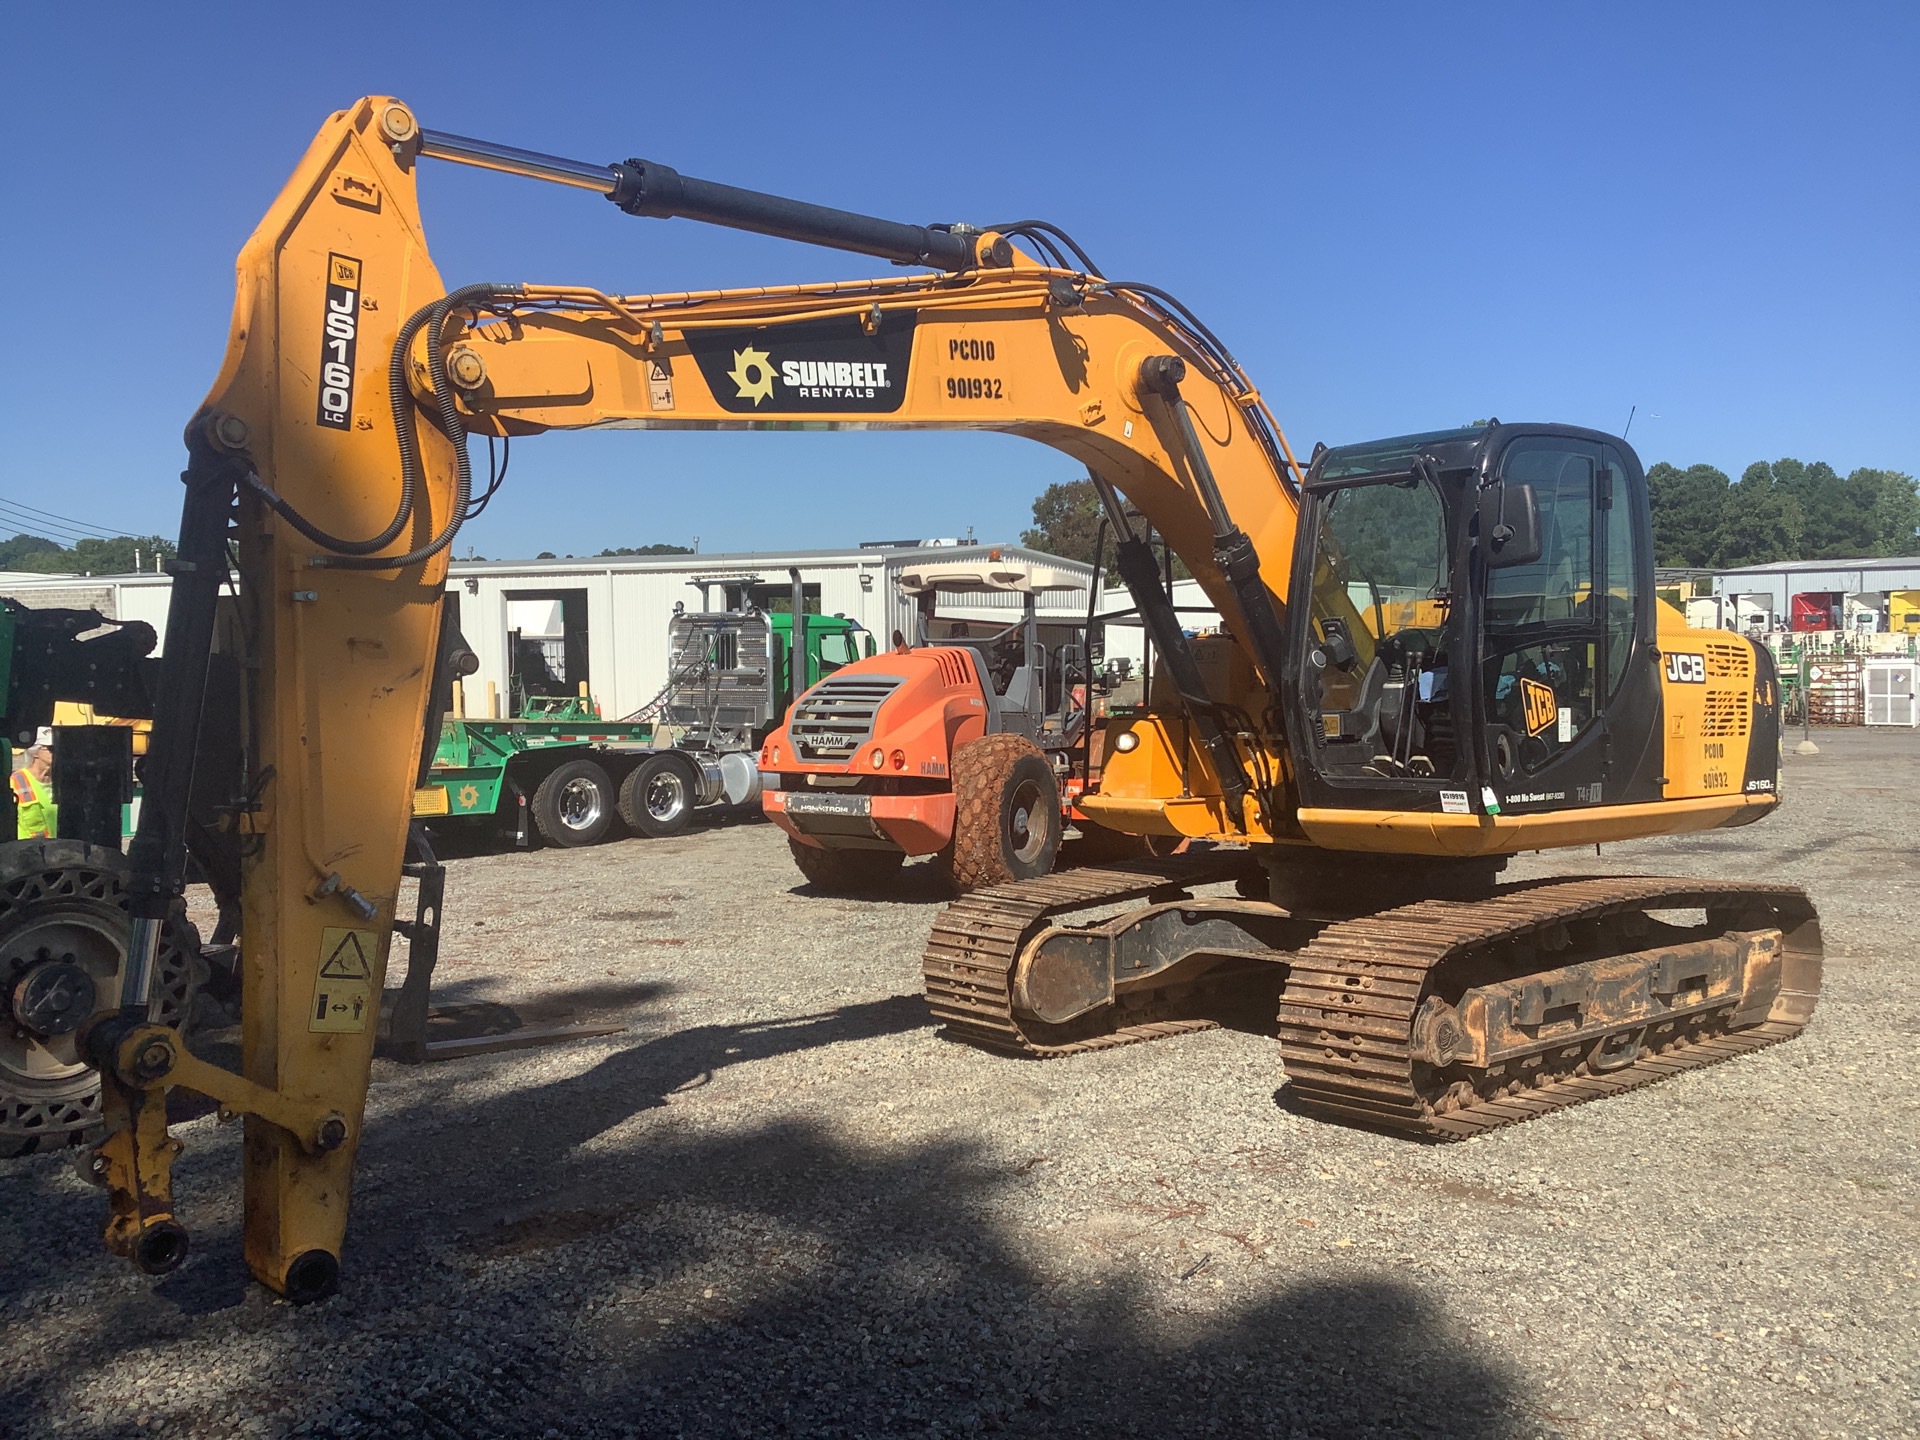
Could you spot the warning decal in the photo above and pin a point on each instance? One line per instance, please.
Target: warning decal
(343, 999)
(1543, 712)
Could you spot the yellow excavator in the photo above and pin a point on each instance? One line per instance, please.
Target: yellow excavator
(1440, 650)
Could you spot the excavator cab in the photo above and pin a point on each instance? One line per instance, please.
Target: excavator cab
(1473, 610)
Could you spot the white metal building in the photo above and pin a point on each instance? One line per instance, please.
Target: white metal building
(605, 620)
(1863, 583)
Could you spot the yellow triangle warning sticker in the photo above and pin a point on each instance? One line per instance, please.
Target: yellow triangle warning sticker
(343, 993)
(348, 958)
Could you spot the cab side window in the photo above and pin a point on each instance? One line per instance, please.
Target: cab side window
(1622, 561)
(1544, 647)
(835, 650)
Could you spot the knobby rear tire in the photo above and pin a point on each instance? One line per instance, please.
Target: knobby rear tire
(1006, 814)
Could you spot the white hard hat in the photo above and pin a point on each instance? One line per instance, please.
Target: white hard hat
(44, 736)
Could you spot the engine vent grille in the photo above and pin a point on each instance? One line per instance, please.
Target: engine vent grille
(1729, 662)
(835, 718)
(955, 669)
(1728, 713)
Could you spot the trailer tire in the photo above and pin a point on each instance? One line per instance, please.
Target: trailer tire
(573, 806)
(657, 796)
(846, 872)
(1006, 813)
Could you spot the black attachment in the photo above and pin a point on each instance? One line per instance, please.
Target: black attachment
(158, 852)
(644, 187)
(453, 661)
(50, 663)
(406, 1037)
(1133, 559)
(93, 776)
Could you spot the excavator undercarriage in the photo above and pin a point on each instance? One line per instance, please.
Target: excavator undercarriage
(1440, 1019)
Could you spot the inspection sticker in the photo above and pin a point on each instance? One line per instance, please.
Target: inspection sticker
(343, 990)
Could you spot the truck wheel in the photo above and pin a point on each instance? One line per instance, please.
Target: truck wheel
(657, 797)
(842, 872)
(63, 940)
(573, 806)
(1006, 814)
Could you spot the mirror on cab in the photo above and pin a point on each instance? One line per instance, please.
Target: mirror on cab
(1515, 532)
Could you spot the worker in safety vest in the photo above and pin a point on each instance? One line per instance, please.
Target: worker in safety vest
(33, 795)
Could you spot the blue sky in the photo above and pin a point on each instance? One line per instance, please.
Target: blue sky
(1398, 216)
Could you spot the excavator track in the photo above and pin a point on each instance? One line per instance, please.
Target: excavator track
(1347, 1012)
(1348, 1009)
(968, 965)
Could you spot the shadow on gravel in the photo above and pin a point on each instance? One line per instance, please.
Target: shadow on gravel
(458, 1009)
(782, 1280)
(917, 883)
(786, 1282)
(547, 1122)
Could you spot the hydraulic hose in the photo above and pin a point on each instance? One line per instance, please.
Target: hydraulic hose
(434, 316)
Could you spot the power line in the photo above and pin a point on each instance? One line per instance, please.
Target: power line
(43, 530)
(89, 530)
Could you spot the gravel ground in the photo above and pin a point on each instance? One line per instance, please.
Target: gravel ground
(779, 1204)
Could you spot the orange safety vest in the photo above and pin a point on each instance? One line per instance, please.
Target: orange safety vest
(33, 802)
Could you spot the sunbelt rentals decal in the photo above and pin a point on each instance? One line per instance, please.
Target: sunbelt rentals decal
(823, 366)
(339, 339)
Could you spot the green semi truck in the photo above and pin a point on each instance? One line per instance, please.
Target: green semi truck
(560, 771)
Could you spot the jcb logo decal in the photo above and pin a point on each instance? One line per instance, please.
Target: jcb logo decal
(337, 345)
(1542, 710)
(1687, 669)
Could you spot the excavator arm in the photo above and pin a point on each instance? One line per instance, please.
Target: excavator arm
(329, 464)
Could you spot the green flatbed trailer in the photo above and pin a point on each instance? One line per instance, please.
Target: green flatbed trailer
(561, 771)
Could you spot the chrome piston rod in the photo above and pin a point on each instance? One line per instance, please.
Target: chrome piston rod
(645, 187)
(462, 150)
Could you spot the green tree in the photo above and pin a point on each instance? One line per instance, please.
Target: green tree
(120, 555)
(1892, 504)
(1066, 521)
(14, 551)
(654, 549)
(1763, 521)
(1688, 509)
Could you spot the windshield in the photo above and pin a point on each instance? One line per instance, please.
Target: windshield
(1376, 682)
(1383, 558)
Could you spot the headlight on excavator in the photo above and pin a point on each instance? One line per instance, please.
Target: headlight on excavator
(1126, 742)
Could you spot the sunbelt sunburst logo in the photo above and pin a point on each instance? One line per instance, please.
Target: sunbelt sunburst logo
(753, 377)
(753, 372)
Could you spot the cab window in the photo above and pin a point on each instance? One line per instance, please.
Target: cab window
(1544, 647)
(1377, 674)
(836, 649)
